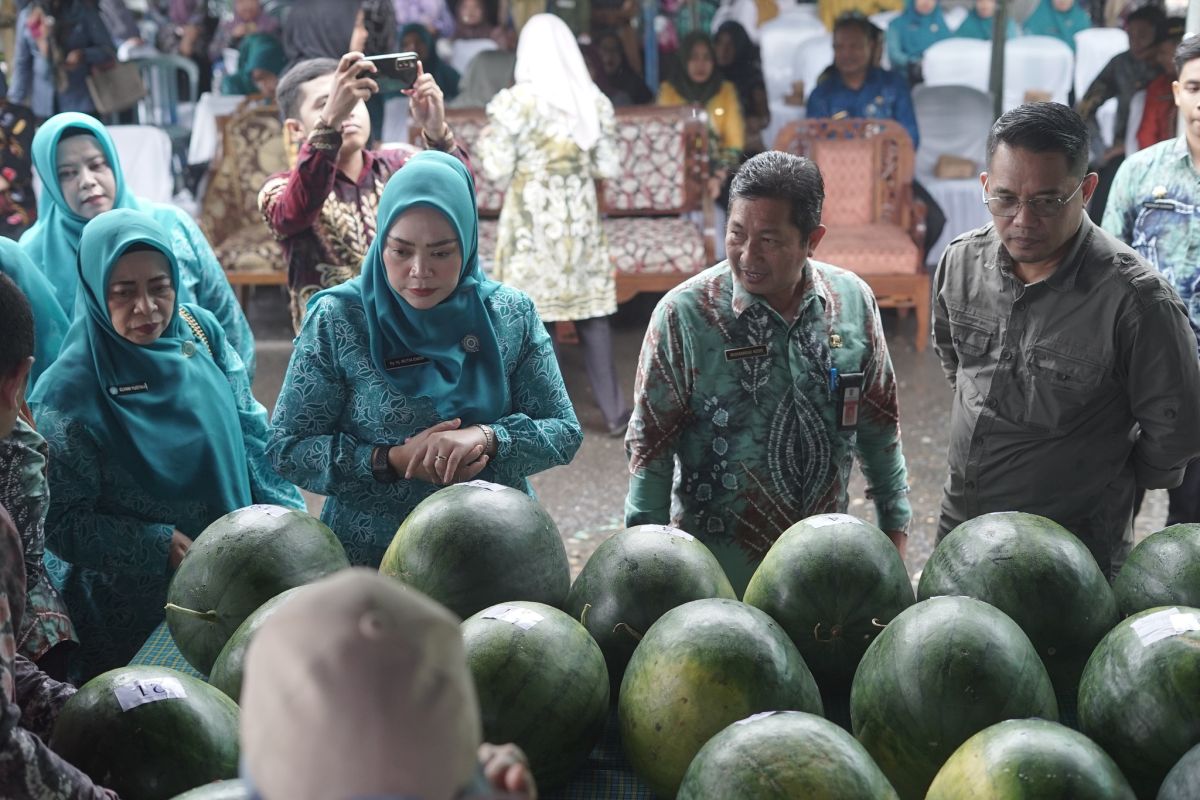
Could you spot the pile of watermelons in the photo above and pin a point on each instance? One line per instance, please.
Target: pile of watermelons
(1013, 672)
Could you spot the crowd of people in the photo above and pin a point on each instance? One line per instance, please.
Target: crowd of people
(128, 421)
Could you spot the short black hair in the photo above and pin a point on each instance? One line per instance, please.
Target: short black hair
(857, 20)
(1188, 50)
(16, 319)
(1153, 15)
(783, 176)
(287, 93)
(1043, 128)
(73, 131)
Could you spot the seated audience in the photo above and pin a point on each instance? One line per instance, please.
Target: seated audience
(419, 373)
(78, 149)
(831, 10)
(432, 15)
(475, 19)
(617, 16)
(30, 701)
(738, 62)
(417, 39)
(1061, 19)
(909, 35)
(153, 434)
(978, 24)
(260, 60)
(322, 210)
(855, 88)
(58, 44)
(49, 319)
(616, 77)
(694, 80)
(1160, 117)
(18, 203)
(248, 19)
(685, 18)
(396, 674)
(488, 73)
(184, 29)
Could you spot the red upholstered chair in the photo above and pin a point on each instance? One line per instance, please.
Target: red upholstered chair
(875, 229)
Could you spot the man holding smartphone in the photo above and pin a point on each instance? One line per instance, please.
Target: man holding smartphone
(322, 210)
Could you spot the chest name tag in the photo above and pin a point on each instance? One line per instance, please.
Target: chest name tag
(849, 396)
(1161, 205)
(738, 353)
(403, 362)
(138, 693)
(129, 388)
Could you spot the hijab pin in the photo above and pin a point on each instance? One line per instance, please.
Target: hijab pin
(189, 349)
(470, 343)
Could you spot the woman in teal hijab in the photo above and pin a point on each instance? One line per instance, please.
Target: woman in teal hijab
(81, 178)
(416, 38)
(260, 63)
(153, 434)
(910, 35)
(50, 323)
(978, 24)
(1061, 19)
(418, 373)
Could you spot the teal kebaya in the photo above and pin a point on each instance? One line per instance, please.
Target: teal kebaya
(49, 322)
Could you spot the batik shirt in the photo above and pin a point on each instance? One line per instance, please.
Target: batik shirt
(323, 220)
(29, 702)
(336, 407)
(1122, 78)
(1154, 207)
(748, 405)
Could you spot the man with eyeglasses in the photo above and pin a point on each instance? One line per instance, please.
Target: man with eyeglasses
(1073, 364)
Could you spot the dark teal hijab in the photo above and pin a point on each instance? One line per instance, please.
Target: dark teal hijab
(53, 242)
(1046, 20)
(257, 51)
(49, 322)
(465, 373)
(164, 412)
(918, 31)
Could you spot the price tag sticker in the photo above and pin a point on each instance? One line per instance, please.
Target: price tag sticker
(824, 520)
(139, 693)
(667, 529)
(756, 717)
(268, 510)
(1163, 625)
(491, 487)
(523, 618)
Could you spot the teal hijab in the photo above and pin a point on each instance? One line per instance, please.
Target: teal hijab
(1046, 20)
(464, 373)
(918, 31)
(163, 412)
(977, 27)
(257, 51)
(53, 242)
(49, 322)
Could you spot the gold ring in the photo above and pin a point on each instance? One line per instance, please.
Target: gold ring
(440, 458)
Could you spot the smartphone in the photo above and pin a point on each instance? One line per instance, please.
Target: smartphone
(398, 69)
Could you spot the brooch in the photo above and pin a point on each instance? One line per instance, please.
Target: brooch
(470, 343)
(835, 340)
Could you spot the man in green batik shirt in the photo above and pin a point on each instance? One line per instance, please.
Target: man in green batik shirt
(1154, 207)
(764, 376)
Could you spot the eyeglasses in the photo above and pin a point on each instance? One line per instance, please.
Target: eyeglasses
(1038, 206)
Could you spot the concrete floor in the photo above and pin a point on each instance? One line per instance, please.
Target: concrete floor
(586, 498)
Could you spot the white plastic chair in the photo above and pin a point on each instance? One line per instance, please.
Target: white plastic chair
(463, 50)
(1095, 47)
(145, 153)
(777, 48)
(1137, 110)
(958, 62)
(812, 57)
(743, 12)
(1037, 63)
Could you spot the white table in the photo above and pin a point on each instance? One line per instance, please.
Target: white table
(205, 135)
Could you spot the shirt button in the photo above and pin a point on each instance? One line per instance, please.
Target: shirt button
(969, 484)
(1006, 354)
(991, 402)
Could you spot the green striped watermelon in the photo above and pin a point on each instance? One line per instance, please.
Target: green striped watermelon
(784, 755)
(1163, 570)
(473, 545)
(1183, 781)
(228, 669)
(832, 581)
(632, 579)
(943, 670)
(221, 790)
(1038, 573)
(1029, 759)
(701, 667)
(149, 733)
(238, 563)
(1140, 694)
(541, 683)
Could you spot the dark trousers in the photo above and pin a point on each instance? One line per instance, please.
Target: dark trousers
(935, 218)
(595, 336)
(1183, 504)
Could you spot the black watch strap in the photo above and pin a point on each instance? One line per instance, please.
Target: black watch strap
(381, 469)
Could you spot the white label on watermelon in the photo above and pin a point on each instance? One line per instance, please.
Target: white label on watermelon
(667, 529)
(761, 715)
(138, 693)
(270, 511)
(491, 487)
(823, 520)
(523, 618)
(1163, 625)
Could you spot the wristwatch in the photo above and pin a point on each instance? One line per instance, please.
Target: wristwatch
(381, 468)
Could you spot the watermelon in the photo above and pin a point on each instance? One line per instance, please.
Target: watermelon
(1183, 781)
(238, 563)
(476, 544)
(221, 790)
(228, 668)
(701, 667)
(832, 581)
(784, 755)
(542, 685)
(1163, 570)
(149, 733)
(1140, 694)
(1027, 566)
(1029, 759)
(632, 579)
(943, 670)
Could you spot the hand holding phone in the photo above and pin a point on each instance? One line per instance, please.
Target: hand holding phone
(352, 81)
(398, 69)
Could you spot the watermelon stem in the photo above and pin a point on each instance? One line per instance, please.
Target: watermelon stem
(207, 616)
(583, 614)
(628, 629)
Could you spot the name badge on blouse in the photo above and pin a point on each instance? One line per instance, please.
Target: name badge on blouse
(849, 396)
(1161, 205)
(129, 388)
(403, 362)
(738, 353)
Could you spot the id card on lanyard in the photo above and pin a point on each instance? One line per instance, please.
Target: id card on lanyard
(847, 390)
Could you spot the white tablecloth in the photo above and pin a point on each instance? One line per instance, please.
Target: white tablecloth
(961, 200)
(205, 136)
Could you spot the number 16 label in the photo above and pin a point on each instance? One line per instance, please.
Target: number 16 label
(138, 693)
